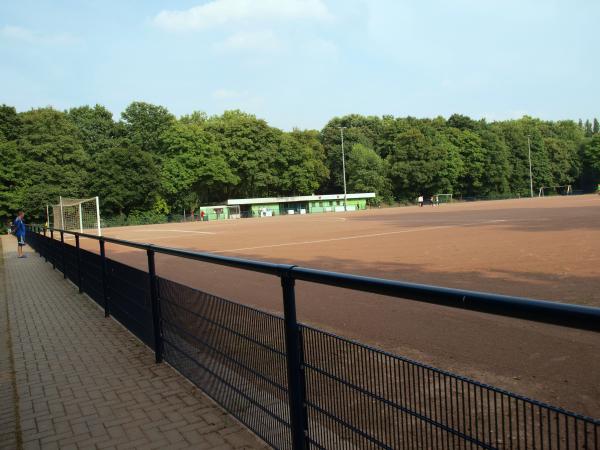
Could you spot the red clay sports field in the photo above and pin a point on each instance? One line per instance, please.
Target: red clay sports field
(546, 248)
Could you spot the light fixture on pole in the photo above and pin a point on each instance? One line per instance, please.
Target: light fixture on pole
(530, 173)
(344, 169)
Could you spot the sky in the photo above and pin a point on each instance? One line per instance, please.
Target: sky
(299, 63)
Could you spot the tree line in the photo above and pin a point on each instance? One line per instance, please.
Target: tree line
(151, 163)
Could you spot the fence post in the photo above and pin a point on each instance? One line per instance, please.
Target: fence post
(104, 278)
(46, 246)
(53, 244)
(79, 285)
(296, 387)
(63, 247)
(156, 320)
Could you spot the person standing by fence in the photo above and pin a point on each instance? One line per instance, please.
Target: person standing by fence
(19, 227)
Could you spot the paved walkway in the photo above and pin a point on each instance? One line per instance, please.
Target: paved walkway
(69, 378)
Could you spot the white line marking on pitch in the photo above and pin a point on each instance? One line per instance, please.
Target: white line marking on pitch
(178, 231)
(359, 236)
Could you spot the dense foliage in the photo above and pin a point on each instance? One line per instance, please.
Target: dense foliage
(150, 163)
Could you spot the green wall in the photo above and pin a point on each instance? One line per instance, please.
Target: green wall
(320, 205)
(272, 206)
(313, 206)
(209, 213)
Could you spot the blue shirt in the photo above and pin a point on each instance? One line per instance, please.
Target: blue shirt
(20, 227)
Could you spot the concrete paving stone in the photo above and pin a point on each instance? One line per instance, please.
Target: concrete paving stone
(84, 382)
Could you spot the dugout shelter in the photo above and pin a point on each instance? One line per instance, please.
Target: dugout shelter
(303, 204)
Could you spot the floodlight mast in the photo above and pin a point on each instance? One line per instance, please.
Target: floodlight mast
(344, 169)
(530, 173)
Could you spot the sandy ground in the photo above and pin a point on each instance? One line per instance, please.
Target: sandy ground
(547, 248)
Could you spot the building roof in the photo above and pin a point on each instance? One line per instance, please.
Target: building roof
(301, 198)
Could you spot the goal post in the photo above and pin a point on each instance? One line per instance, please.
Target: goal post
(442, 198)
(565, 189)
(75, 214)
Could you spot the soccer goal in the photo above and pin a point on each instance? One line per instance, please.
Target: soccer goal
(442, 198)
(556, 190)
(77, 214)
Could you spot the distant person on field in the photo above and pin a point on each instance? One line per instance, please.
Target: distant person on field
(202, 216)
(420, 201)
(19, 227)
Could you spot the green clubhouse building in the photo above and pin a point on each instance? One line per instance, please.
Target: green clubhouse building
(304, 204)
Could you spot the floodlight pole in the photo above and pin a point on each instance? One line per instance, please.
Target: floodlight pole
(344, 169)
(530, 173)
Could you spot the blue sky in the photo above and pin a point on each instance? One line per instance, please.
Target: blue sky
(298, 63)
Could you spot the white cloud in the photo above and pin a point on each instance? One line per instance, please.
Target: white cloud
(218, 13)
(265, 41)
(26, 35)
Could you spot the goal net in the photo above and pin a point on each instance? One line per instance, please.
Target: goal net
(442, 198)
(555, 190)
(75, 214)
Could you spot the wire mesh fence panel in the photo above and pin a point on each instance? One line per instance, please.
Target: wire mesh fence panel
(91, 275)
(359, 397)
(67, 261)
(53, 251)
(129, 299)
(234, 353)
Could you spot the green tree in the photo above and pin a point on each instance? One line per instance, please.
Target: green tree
(472, 178)
(54, 162)
(422, 164)
(95, 126)
(300, 163)
(498, 170)
(250, 147)
(9, 122)
(462, 122)
(145, 123)
(126, 179)
(194, 171)
(358, 129)
(11, 166)
(589, 129)
(590, 154)
(596, 127)
(197, 117)
(367, 172)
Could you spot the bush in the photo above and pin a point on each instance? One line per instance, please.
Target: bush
(135, 218)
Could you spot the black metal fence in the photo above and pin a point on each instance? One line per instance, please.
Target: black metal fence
(298, 387)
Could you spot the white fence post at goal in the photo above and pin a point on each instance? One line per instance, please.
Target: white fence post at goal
(62, 215)
(98, 215)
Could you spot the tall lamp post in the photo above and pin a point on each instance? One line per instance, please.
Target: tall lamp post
(530, 173)
(344, 169)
